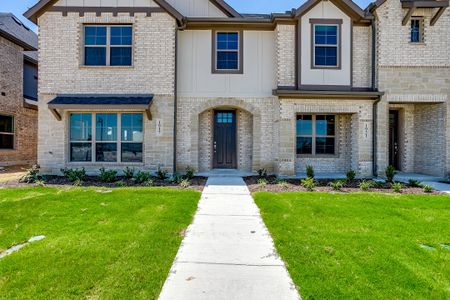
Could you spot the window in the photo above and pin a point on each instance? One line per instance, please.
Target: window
(316, 134)
(416, 30)
(227, 52)
(6, 132)
(108, 45)
(114, 138)
(326, 41)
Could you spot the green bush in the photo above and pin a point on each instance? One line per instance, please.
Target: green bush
(262, 173)
(149, 182)
(74, 175)
(142, 177)
(128, 172)
(337, 185)
(309, 171)
(184, 184)
(415, 183)
(121, 183)
(161, 174)
(366, 185)
(32, 175)
(283, 184)
(390, 173)
(397, 187)
(428, 189)
(262, 183)
(107, 175)
(189, 173)
(308, 183)
(176, 178)
(351, 175)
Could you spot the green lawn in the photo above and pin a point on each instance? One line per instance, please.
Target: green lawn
(362, 246)
(99, 243)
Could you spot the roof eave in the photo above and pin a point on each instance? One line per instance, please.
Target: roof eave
(19, 42)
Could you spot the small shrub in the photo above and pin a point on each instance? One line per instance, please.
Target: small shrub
(308, 183)
(337, 185)
(77, 182)
(107, 175)
(262, 183)
(184, 184)
(74, 174)
(161, 174)
(40, 182)
(415, 183)
(32, 175)
(309, 171)
(149, 182)
(378, 184)
(428, 189)
(397, 187)
(262, 174)
(366, 185)
(390, 173)
(142, 177)
(283, 184)
(128, 172)
(176, 178)
(351, 175)
(189, 173)
(121, 183)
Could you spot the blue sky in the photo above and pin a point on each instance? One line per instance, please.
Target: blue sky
(18, 7)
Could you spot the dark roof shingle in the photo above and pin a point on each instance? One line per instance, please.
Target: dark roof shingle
(102, 100)
(13, 29)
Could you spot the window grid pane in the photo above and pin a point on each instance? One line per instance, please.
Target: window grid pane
(316, 134)
(81, 127)
(326, 45)
(227, 51)
(6, 124)
(415, 31)
(106, 127)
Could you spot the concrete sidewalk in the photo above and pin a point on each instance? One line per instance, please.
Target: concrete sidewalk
(228, 252)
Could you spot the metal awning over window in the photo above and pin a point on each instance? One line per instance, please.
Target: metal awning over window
(100, 102)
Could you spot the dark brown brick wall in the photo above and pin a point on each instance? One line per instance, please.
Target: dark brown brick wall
(11, 103)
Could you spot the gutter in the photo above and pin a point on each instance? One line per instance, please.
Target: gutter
(375, 104)
(175, 104)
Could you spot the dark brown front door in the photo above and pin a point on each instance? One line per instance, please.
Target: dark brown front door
(225, 139)
(394, 139)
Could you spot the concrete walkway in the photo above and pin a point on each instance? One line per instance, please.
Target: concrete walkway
(227, 252)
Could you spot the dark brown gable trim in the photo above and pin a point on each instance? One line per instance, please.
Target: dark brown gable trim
(225, 8)
(44, 5)
(99, 10)
(214, 52)
(347, 6)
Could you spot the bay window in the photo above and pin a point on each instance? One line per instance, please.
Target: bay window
(316, 134)
(116, 137)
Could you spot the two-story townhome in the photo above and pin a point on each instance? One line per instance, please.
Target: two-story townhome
(194, 83)
(18, 92)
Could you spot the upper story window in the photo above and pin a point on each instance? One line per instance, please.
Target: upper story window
(316, 134)
(6, 132)
(108, 45)
(416, 30)
(227, 52)
(326, 44)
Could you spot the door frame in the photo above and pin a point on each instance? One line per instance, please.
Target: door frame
(394, 157)
(214, 123)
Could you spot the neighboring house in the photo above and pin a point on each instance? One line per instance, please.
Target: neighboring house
(178, 83)
(18, 92)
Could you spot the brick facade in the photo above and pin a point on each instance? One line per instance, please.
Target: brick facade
(12, 104)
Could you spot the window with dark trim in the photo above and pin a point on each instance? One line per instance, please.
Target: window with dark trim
(227, 52)
(6, 132)
(417, 30)
(326, 43)
(116, 137)
(316, 134)
(108, 45)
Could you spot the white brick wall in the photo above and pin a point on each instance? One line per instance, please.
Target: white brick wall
(362, 56)
(285, 43)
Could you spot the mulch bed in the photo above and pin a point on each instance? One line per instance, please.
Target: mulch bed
(197, 183)
(323, 185)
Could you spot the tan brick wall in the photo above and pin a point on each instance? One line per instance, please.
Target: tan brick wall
(11, 84)
(359, 133)
(286, 61)
(152, 73)
(362, 56)
(256, 119)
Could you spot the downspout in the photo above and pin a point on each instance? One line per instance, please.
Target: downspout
(180, 26)
(375, 104)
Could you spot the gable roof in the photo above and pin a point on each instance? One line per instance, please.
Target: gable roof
(347, 6)
(13, 30)
(43, 5)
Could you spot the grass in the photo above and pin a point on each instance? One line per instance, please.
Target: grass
(100, 244)
(362, 246)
